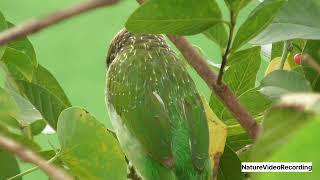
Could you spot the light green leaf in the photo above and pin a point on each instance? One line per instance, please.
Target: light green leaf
(297, 19)
(8, 110)
(278, 125)
(312, 51)
(9, 165)
(287, 80)
(88, 148)
(230, 165)
(3, 26)
(218, 34)
(305, 139)
(38, 126)
(174, 17)
(18, 64)
(258, 20)
(243, 69)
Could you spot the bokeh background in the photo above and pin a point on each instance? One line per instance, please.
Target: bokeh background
(75, 50)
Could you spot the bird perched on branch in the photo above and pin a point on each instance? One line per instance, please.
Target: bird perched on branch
(155, 109)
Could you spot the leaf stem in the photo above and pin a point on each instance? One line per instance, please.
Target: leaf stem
(33, 169)
(225, 55)
(287, 47)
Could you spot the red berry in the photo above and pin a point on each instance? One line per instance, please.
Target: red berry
(298, 58)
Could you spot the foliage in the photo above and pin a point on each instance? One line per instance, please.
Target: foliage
(284, 102)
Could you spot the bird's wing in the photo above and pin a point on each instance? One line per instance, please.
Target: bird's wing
(198, 130)
(147, 119)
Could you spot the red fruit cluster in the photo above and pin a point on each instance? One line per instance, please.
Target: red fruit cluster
(298, 58)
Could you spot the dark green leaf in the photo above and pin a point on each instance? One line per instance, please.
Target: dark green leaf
(9, 165)
(38, 126)
(174, 17)
(230, 165)
(88, 148)
(297, 19)
(47, 102)
(312, 50)
(277, 49)
(257, 22)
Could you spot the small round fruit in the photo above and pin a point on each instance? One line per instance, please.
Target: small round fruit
(275, 65)
(298, 58)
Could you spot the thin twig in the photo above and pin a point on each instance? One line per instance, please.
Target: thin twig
(222, 91)
(225, 55)
(29, 156)
(285, 53)
(54, 18)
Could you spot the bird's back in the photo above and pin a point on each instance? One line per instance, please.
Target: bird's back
(156, 109)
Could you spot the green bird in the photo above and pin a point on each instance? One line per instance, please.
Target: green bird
(155, 109)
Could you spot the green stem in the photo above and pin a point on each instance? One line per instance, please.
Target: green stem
(286, 46)
(33, 169)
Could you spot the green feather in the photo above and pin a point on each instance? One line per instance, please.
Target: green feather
(156, 110)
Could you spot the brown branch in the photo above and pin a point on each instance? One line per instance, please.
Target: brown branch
(221, 90)
(54, 18)
(30, 157)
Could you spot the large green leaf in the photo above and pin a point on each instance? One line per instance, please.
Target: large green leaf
(256, 22)
(312, 49)
(230, 165)
(243, 69)
(297, 19)
(88, 148)
(306, 139)
(3, 26)
(9, 165)
(278, 125)
(174, 17)
(280, 82)
(240, 75)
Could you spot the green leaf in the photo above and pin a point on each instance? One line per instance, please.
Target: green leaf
(278, 125)
(254, 101)
(305, 139)
(18, 64)
(8, 110)
(9, 166)
(27, 112)
(3, 26)
(240, 76)
(230, 165)
(257, 22)
(218, 34)
(174, 17)
(23, 45)
(243, 69)
(312, 49)
(88, 148)
(38, 126)
(297, 19)
(285, 81)
(277, 49)
(237, 5)
(49, 104)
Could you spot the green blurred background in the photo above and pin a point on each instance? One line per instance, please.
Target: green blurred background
(75, 50)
